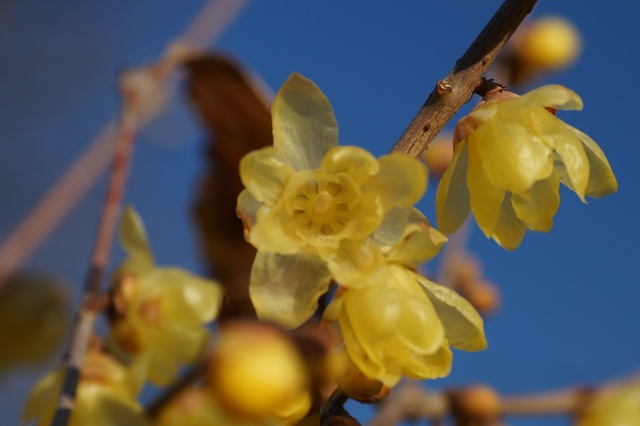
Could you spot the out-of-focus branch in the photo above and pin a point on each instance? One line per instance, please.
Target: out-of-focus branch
(67, 191)
(135, 91)
(482, 405)
(457, 88)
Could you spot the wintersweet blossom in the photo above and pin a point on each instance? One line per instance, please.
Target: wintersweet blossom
(405, 326)
(106, 394)
(159, 313)
(511, 154)
(305, 197)
(398, 322)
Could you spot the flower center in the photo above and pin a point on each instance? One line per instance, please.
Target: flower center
(323, 206)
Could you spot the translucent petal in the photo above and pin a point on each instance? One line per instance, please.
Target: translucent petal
(286, 288)
(552, 95)
(512, 154)
(264, 175)
(388, 374)
(509, 230)
(193, 300)
(41, 402)
(271, 231)
(401, 180)
(356, 263)
(393, 225)
(601, 178)
(538, 205)
(304, 126)
(485, 197)
(134, 240)
(352, 160)
(452, 198)
(432, 366)
(568, 149)
(247, 210)
(381, 313)
(418, 244)
(464, 328)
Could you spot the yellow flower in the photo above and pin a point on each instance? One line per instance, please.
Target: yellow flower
(404, 326)
(159, 313)
(510, 157)
(305, 196)
(106, 394)
(257, 372)
(615, 406)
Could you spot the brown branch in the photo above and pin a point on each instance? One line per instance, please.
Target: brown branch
(457, 88)
(413, 402)
(142, 94)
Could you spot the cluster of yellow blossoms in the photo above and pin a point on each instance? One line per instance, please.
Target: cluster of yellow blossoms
(318, 212)
(510, 156)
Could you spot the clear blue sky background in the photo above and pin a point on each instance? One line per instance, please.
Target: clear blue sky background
(571, 297)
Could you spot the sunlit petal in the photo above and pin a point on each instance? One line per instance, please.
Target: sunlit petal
(509, 230)
(286, 288)
(452, 198)
(464, 328)
(264, 175)
(304, 126)
(601, 178)
(537, 206)
(401, 180)
(485, 197)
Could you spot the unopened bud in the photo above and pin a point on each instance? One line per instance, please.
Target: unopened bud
(256, 371)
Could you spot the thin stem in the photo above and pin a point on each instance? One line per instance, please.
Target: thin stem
(93, 301)
(457, 88)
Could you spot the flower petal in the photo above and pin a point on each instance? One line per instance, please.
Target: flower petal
(537, 206)
(193, 300)
(358, 163)
(247, 210)
(401, 180)
(552, 95)
(304, 126)
(393, 225)
(269, 232)
(509, 230)
(601, 178)
(264, 174)
(569, 156)
(464, 328)
(512, 154)
(286, 288)
(452, 198)
(134, 240)
(432, 366)
(389, 312)
(356, 263)
(485, 197)
(389, 373)
(418, 243)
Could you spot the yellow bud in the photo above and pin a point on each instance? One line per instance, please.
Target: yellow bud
(33, 319)
(355, 384)
(550, 43)
(256, 371)
(479, 402)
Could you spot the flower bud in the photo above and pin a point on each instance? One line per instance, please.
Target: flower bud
(549, 44)
(33, 319)
(257, 372)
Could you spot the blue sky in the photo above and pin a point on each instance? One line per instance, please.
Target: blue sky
(570, 312)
